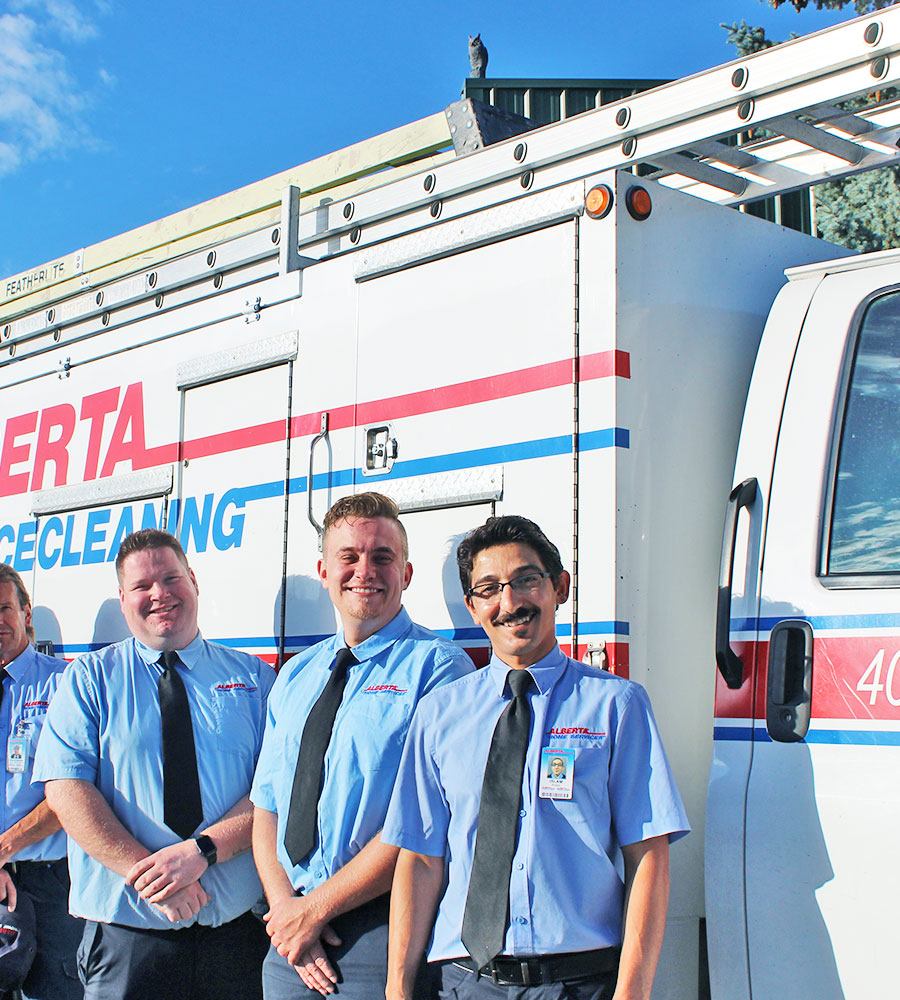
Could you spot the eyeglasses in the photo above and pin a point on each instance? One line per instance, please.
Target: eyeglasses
(528, 583)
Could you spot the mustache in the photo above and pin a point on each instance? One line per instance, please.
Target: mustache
(515, 617)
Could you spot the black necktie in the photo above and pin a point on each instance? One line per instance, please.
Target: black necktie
(300, 829)
(182, 805)
(487, 901)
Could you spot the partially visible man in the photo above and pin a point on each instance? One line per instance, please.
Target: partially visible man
(531, 904)
(148, 754)
(337, 720)
(32, 844)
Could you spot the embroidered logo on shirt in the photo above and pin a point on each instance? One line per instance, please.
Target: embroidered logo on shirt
(36, 704)
(235, 686)
(385, 689)
(575, 732)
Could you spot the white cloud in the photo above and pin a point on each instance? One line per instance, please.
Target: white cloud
(62, 16)
(41, 104)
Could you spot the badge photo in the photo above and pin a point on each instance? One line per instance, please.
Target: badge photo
(16, 754)
(557, 773)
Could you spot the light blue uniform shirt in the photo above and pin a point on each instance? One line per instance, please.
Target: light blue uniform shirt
(566, 893)
(27, 691)
(104, 727)
(397, 665)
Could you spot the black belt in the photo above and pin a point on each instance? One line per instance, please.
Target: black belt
(505, 970)
(14, 866)
(165, 933)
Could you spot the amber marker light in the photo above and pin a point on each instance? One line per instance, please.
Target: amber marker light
(638, 203)
(598, 201)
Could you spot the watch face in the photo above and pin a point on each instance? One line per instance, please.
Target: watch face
(207, 848)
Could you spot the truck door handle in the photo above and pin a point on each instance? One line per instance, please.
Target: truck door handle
(323, 433)
(789, 686)
(730, 665)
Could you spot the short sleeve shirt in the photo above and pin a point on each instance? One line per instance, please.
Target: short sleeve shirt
(566, 890)
(104, 727)
(396, 666)
(27, 691)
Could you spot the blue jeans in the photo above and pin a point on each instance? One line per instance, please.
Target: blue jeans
(54, 975)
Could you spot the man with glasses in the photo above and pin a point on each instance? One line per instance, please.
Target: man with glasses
(520, 866)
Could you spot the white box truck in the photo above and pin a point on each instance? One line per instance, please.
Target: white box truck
(538, 328)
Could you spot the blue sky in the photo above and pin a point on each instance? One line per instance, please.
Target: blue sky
(113, 114)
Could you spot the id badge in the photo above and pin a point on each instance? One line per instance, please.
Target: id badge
(16, 754)
(557, 773)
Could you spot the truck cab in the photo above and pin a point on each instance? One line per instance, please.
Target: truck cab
(803, 789)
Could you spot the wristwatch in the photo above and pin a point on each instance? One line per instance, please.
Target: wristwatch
(207, 847)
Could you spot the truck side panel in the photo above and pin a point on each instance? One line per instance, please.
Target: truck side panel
(819, 802)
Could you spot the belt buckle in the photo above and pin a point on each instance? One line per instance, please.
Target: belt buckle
(525, 970)
(500, 974)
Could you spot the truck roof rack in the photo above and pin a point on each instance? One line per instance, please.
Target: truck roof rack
(692, 134)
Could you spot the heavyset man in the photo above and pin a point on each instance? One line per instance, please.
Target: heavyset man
(148, 753)
(32, 842)
(533, 906)
(337, 720)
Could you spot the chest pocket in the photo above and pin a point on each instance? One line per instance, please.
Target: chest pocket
(236, 713)
(29, 725)
(591, 775)
(30, 719)
(374, 725)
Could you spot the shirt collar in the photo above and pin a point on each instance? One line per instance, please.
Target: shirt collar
(188, 656)
(544, 672)
(386, 636)
(18, 667)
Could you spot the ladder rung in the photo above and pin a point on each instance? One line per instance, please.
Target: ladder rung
(734, 156)
(678, 163)
(817, 138)
(790, 172)
(846, 121)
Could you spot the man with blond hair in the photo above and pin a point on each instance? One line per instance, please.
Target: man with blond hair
(335, 728)
(148, 753)
(32, 844)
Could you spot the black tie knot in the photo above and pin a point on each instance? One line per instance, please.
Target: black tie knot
(344, 660)
(519, 682)
(170, 659)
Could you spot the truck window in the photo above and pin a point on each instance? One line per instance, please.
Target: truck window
(865, 506)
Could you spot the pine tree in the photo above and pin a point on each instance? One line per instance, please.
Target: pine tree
(745, 39)
(862, 212)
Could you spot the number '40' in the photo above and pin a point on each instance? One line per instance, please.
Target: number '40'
(871, 679)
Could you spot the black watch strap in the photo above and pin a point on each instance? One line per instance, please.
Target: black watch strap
(206, 846)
